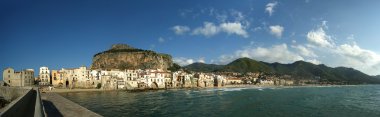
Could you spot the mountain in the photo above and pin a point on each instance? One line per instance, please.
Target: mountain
(123, 56)
(305, 70)
(298, 70)
(202, 67)
(246, 65)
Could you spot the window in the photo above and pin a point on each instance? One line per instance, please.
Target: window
(9, 76)
(9, 71)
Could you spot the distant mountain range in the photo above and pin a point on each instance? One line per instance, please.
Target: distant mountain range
(298, 70)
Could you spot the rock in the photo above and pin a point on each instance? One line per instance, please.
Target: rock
(122, 56)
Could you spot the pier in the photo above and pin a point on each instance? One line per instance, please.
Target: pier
(31, 103)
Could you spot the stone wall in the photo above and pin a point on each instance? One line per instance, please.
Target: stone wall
(19, 106)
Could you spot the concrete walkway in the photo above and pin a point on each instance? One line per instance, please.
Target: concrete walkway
(58, 106)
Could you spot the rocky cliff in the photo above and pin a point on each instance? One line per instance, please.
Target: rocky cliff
(122, 56)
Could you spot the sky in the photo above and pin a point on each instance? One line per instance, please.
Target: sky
(67, 33)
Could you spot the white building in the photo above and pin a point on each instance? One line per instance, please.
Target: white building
(155, 78)
(44, 76)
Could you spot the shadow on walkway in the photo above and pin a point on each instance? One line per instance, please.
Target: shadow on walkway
(51, 110)
(29, 112)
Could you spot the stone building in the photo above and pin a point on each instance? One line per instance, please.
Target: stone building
(204, 80)
(219, 81)
(21, 78)
(68, 77)
(182, 79)
(82, 77)
(57, 78)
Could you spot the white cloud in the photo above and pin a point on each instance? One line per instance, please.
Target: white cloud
(304, 51)
(182, 61)
(270, 8)
(276, 30)
(201, 60)
(180, 30)
(320, 48)
(161, 40)
(225, 59)
(234, 28)
(210, 29)
(230, 21)
(314, 61)
(276, 53)
(320, 38)
(354, 56)
(347, 55)
(227, 15)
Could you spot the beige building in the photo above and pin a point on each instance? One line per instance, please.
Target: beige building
(22, 78)
(57, 78)
(82, 78)
(79, 78)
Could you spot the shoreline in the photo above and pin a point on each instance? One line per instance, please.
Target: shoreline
(58, 90)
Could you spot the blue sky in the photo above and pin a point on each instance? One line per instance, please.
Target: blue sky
(66, 34)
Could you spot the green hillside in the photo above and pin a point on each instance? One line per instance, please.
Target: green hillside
(298, 70)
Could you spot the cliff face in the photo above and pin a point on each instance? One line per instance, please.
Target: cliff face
(122, 56)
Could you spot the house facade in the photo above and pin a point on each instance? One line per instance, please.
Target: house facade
(18, 78)
(44, 76)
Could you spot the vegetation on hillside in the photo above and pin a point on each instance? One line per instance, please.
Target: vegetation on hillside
(298, 70)
(202, 67)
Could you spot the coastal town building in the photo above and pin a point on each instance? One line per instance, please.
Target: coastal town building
(82, 77)
(68, 77)
(44, 76)
(18, 78)
(233, 81)
(219, 81)
(182, 79)
(204, 80)
(57, 78)
(155, 78)
(129, 79)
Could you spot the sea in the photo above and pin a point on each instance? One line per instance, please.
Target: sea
(299, 101)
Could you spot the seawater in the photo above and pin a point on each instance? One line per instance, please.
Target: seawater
(319, 101)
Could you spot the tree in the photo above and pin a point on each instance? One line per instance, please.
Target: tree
(174, 67)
